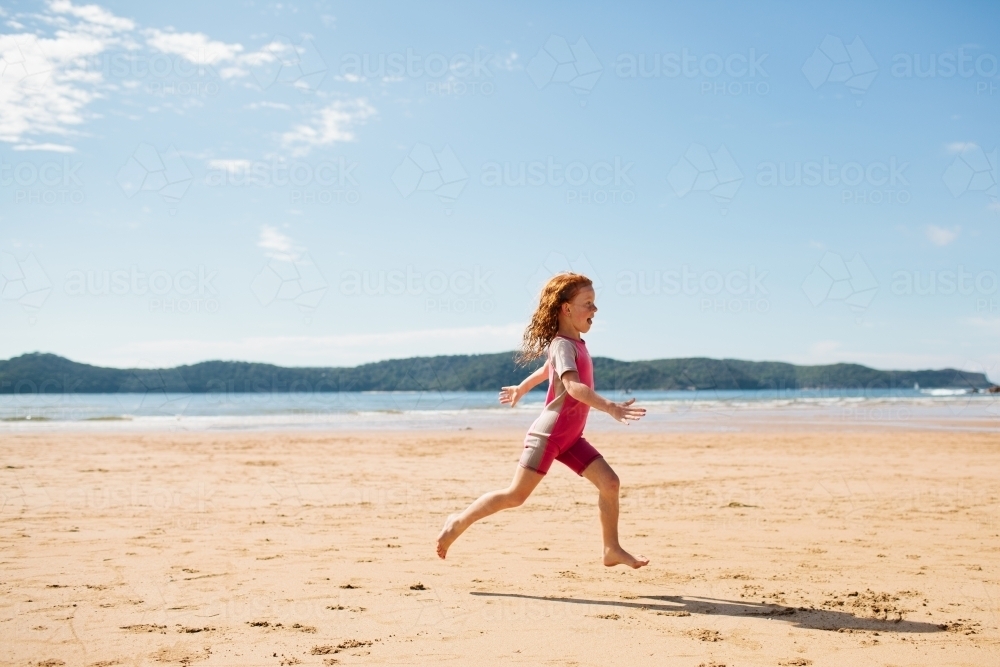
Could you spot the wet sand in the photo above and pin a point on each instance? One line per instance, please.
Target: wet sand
(768, 547)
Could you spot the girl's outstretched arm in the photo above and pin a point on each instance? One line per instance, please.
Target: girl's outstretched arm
(511, 395)
(623, 412)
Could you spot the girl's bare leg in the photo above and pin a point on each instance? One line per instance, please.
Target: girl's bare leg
(606, 481)
(520, 488)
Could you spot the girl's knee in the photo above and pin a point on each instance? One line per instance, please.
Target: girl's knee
(610, 483)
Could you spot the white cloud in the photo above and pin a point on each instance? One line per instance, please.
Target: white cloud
(45, 84)
(54, 148)
(959, 146)
(824, 347)
(940, 236)
(508, 62)
(277, 245)
(232, 166)
(334, 123)
(268, 105)
(195, 47)
(50, 76)
(93, 14)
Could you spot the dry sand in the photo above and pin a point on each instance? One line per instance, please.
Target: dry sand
(780, 548)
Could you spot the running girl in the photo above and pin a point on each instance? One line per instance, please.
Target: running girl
(565, 310)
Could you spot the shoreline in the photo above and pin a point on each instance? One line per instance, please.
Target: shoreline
(976, 415)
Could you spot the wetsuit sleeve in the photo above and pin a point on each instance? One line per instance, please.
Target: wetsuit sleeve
(562, 354)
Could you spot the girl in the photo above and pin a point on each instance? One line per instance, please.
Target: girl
(565, 310)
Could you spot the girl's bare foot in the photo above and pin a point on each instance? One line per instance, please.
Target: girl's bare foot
(449, 534)
(618, 556)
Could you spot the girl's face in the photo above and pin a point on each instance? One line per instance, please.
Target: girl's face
(579, 311)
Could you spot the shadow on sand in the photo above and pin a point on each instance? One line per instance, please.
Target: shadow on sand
(801, 617)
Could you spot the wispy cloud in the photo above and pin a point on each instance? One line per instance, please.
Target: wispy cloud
(232, 166)
(253, 106)
(941, 236)
(959, 146)
(334, 123)
(92, 14)
(52, 148)
(45, 84)
(195, 47)
(48, 77)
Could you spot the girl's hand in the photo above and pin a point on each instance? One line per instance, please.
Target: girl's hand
(625, 413)
(511, 395)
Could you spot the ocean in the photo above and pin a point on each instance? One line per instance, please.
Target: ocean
(668, 410)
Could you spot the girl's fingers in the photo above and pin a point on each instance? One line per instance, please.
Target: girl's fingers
(629, 402)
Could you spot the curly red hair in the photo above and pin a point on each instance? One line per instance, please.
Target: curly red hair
(544, 325)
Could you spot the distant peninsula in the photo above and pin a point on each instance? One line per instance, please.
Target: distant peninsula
(51, 374)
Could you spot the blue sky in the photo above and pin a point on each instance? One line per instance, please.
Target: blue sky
(334, 183)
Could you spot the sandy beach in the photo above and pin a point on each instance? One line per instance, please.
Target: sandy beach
(767, 547)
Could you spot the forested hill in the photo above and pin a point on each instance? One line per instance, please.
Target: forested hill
(48, 373)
